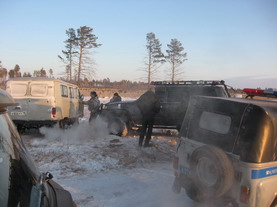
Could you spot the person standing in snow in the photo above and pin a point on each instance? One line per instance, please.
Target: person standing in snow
(93, 105)
(116, 98)
(149, 106)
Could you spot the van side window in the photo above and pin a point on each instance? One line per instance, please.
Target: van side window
(75, 93)
(71, 92)
(39, 90)
(64, 91)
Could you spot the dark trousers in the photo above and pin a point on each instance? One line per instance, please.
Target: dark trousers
(92, 116)
(146, 125)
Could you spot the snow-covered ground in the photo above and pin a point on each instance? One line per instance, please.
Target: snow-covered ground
(102, 170)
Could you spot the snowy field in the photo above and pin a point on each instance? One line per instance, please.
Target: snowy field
(102, 170)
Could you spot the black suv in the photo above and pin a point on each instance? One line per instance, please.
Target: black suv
(174, 98)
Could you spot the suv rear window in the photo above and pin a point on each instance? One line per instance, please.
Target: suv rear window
(215, 122)
(211, 128)
(39, 90)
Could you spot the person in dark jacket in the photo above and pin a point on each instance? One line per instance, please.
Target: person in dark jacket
(116, 98)
(149, 106)
(93, 105)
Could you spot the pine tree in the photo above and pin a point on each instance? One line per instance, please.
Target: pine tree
(69, 52)
(175, 57)
(27, 74)
(11, 74)
(86, 40)
(51, 75)
(155, 57)
(16, 70)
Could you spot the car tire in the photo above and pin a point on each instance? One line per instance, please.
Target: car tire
(193, 192)
(62, 124)
(225, 202)
(211, 171)
(117, 127)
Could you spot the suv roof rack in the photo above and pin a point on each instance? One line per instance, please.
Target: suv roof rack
(191, 82)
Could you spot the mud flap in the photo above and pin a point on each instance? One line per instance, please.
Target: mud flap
(176, 188)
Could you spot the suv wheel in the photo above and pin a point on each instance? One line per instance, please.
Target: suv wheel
(212, 172)
(117, 127)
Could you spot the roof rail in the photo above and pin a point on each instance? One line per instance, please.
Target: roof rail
(191, 82)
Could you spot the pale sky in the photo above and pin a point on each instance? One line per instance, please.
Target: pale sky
(233, 40)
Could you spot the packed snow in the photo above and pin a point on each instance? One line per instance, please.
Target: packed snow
(103, 170)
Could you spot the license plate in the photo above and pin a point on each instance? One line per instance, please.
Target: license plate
(18, 113)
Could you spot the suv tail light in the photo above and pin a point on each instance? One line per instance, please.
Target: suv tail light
(175, 162)
(54, 112)
(244, 194)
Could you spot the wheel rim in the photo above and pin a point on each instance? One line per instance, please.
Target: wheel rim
(206, 172)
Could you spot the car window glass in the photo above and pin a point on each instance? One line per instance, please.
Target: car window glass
(160, 92)
(20, 150)
(5, 137)
(205, 91)
(64, 91)
(39, 90)
(13, 155)
(17, 90)
(75, 93)
(71, 93)
(220, 92)
(215, 122)
(6, 151)
(175, 94)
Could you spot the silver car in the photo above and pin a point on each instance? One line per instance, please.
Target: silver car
(21, 184)
(227, 152)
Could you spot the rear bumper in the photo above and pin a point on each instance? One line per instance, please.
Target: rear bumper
(34, 124)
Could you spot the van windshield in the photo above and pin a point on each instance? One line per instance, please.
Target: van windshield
(39, 90)
(18, 89)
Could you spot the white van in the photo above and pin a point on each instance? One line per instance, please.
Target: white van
(44, 102)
